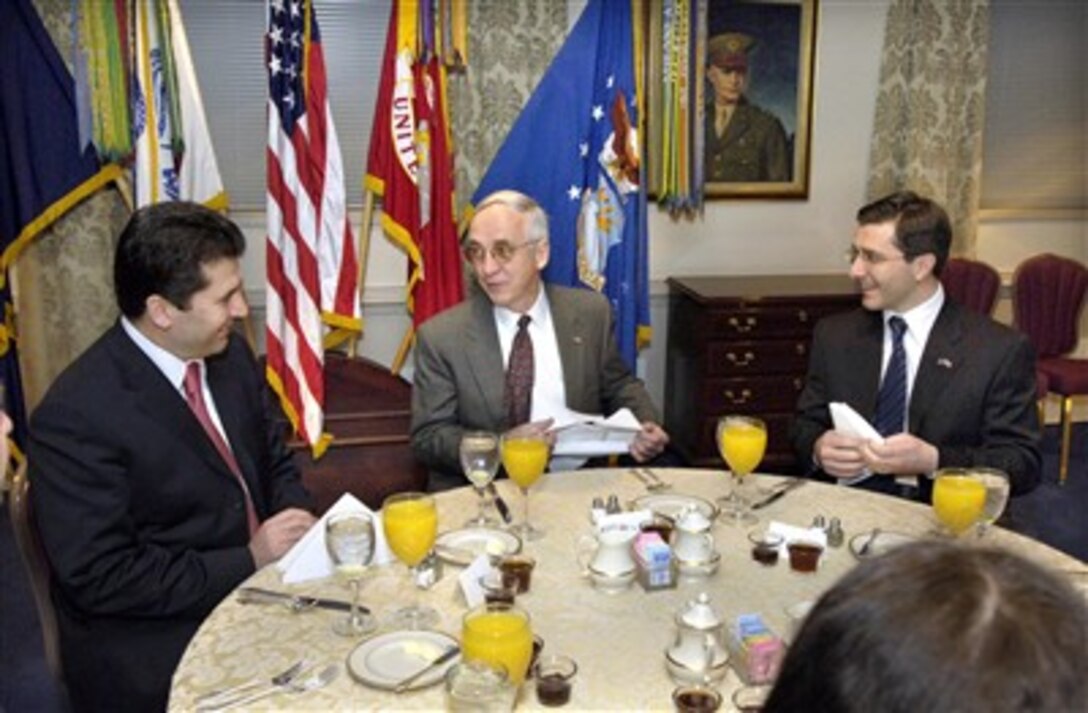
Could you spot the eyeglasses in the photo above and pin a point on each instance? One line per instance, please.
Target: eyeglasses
(868, 256)
(501, 252)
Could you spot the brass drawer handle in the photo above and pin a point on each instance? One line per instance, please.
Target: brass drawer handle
(747, 359)
(801, 348)
(802, 316)
(798, 383)
(731, 397)
(749, 324)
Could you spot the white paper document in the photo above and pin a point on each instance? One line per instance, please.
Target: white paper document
(309, 559)
(582, 434)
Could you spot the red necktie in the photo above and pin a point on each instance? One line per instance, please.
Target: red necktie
(518, 394)
(194, 395)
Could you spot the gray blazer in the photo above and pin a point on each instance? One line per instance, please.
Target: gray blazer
(458, 383)
(973, 396)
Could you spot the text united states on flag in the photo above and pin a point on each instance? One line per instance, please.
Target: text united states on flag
(312, 268)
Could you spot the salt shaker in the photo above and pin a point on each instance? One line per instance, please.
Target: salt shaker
(834, 533)
(819, 522)
(613, 505)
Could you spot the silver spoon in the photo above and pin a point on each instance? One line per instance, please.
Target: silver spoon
(864, 549)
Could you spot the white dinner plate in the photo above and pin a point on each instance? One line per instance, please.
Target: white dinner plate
(671, 504)
(462, 546)
(884, 542)
(387, 659)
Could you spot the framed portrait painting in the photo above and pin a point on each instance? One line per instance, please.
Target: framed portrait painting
(757, 98)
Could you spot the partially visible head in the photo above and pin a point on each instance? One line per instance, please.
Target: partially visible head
(936, 626)
(900, 247)
(507, 246)
(177, 276)
(727, 65)
(5, 426)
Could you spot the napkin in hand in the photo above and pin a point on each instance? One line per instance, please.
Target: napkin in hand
(309, 559)
(851, 423)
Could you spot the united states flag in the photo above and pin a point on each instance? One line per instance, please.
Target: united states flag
(312, 268)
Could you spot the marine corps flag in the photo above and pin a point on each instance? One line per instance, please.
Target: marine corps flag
(576, 150)
(410, 163)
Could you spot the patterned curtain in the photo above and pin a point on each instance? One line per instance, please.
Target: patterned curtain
(510, 45)
(64, 279)
(930, 108)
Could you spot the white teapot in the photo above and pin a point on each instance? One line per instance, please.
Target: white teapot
(699, 652)
(692, 541)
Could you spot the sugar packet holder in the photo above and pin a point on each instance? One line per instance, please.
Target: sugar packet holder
(656, 565)
(754, 650)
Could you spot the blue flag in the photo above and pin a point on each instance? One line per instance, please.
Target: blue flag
(43, 169)
(575, 150)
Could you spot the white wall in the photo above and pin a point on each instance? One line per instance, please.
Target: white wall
(742, 237)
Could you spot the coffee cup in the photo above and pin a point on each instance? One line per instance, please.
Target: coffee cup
(696, 699)
(804, 555)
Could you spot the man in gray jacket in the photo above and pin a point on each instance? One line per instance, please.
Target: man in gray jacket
(462, 380)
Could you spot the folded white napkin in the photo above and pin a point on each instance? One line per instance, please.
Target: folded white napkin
(309, 559)
(621, 520)
(792, 533)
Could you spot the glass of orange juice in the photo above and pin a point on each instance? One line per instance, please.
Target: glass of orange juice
(525, 456)
(410, 522)
(742, 440)
(959, 499)
(499, 634)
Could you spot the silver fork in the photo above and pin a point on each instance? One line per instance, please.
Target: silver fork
(656, 483)
(226, 695)
(646, 483)
(314, 681)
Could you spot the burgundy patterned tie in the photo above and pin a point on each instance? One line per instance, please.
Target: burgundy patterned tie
(194, 395)
(518, 394)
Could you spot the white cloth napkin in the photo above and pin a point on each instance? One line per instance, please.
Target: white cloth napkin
(309, 559)
(792, 533)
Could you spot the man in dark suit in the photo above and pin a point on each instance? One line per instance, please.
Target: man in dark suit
(461, 355)
(969, 381)
(148, 517)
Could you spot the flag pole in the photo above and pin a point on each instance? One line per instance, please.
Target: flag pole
(364, 257)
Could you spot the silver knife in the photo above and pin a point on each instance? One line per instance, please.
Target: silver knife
(448, 654)
(500, 504)
(257, 594)
(797, 483)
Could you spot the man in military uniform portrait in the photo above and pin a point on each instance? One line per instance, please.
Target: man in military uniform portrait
(744, 143)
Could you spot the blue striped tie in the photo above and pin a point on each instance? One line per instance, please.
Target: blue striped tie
(891, 403)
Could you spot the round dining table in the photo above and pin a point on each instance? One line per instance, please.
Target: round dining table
(618, 639)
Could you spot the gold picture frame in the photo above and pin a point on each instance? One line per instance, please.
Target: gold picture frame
(773, 44)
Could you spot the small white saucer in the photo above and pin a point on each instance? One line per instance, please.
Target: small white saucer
(699, 568)
(683, 674)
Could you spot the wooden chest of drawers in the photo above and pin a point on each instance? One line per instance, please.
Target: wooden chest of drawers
(741, 345)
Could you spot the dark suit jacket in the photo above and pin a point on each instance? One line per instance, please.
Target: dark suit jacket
(973, 396)
(459, 373)
(143, 522)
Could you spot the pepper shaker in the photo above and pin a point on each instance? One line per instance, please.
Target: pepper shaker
(613, 505)
(819, 522)
(835, 534)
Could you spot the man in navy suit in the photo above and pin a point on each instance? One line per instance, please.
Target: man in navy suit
(970, 382)
(148, 517)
